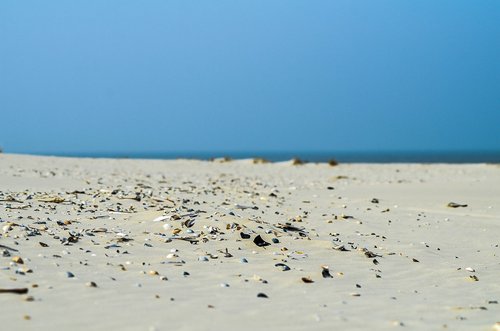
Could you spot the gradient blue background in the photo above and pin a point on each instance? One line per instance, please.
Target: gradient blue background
(165, 76)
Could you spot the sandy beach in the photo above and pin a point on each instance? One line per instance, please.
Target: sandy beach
(108, 244)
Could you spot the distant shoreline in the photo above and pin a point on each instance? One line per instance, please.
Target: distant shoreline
(454, 157)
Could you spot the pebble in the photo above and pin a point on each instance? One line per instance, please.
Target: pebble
(91, 284)
(203, 258)
(243, 260)
(262, 295)
(224, 285)
(69, 274)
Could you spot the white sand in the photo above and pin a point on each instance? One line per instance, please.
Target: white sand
(411, 221)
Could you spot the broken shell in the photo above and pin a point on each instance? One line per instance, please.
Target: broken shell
(260, 242)
(307, 280)
(18, 260)
(456, 205)
(473, 278)
(283, 266)
(244, 235)
(161, 218)
(325, 272)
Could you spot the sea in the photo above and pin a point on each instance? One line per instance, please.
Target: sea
(313, 156)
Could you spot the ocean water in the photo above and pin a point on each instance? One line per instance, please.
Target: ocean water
(339, 156)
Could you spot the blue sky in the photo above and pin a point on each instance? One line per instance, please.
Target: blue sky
(161, 76)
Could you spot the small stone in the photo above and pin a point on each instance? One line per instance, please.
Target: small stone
(203, 258)
(69, 274)
(91, 284)
(262, 295)
(275, 240)
(224, 285)
(153, 273)
(243, 260)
